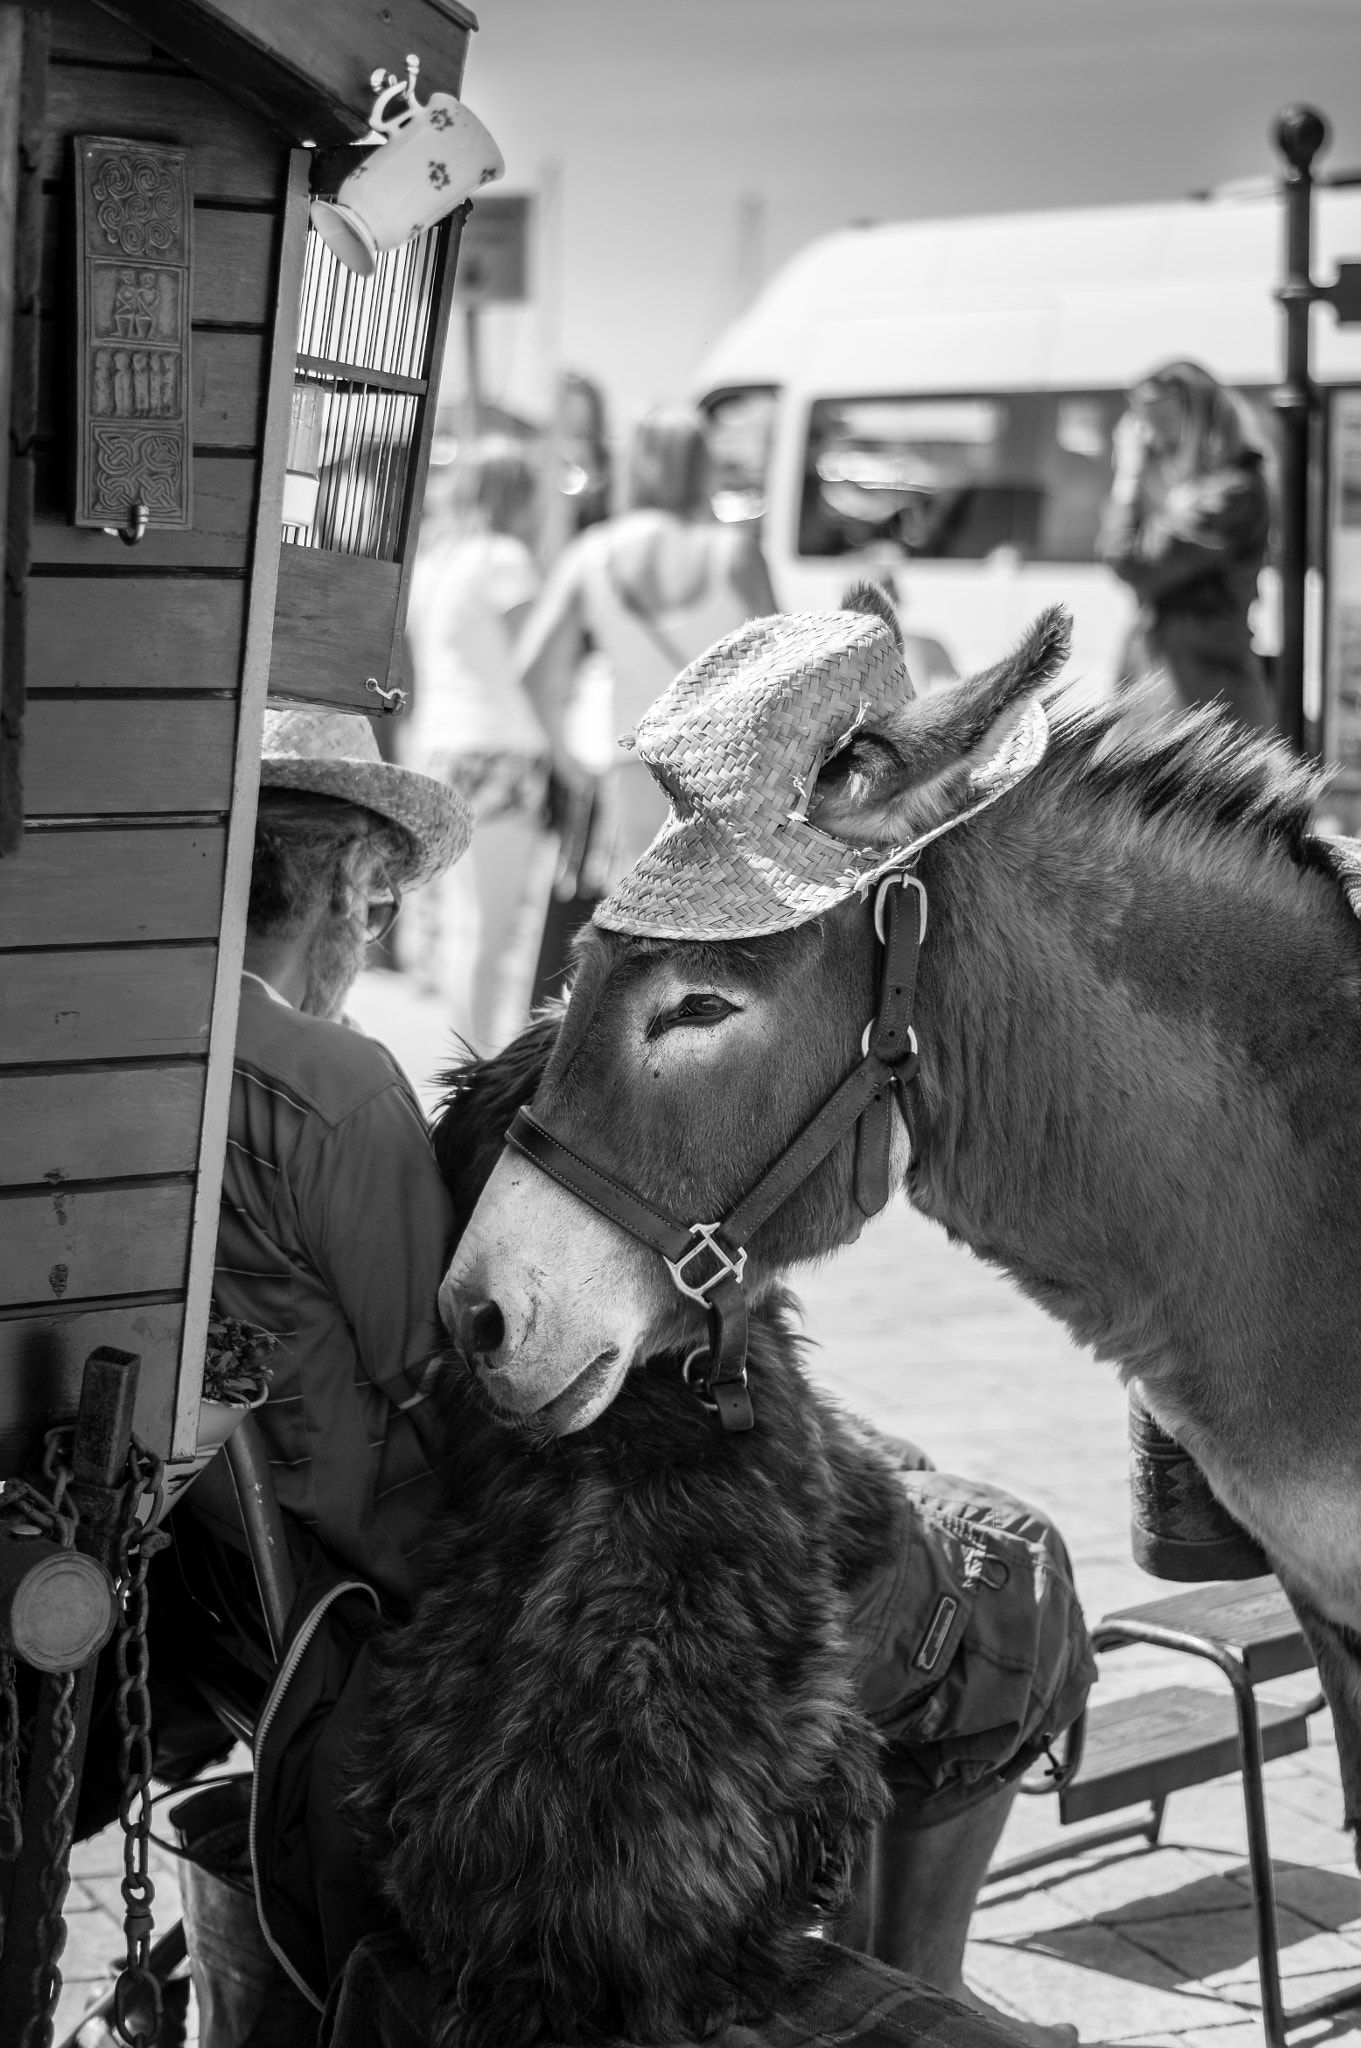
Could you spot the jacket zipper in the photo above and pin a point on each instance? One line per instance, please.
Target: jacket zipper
(296, 1651)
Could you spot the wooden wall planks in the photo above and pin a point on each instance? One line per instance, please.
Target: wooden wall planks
(86, 758)
(224, 497)
(87, 35)
(130, 886)
(235, 156)
(124, 1003)
(332, 626)
(130, 1238)
(42, 1355)
(108, 633)
(100, 1123)
(235, 257)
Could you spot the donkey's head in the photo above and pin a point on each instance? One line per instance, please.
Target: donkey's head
(686, 1065)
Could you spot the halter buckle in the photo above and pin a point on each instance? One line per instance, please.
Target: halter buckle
(899, 879)
(707, 1233)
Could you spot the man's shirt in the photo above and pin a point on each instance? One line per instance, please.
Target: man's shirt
(334, 1235)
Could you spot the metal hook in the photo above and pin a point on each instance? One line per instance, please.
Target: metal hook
(389, 701)
(134, 527)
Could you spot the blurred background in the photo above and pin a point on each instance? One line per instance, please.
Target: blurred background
(678, 156)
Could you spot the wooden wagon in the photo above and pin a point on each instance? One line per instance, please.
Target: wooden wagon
(162, 302)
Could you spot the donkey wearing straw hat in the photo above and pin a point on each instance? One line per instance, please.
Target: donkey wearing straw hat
(1113, 992)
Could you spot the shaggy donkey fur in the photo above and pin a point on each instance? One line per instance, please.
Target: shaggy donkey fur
(616, 1767)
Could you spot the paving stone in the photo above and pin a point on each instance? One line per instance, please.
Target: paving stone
(1099, 1981)
(1157, 1885)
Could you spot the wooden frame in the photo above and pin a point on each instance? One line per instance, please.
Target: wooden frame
(245, 793)
(342, 617)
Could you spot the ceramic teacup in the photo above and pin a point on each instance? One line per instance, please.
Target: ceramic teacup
(435, 157)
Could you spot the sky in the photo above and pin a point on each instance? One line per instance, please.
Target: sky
(678, 154)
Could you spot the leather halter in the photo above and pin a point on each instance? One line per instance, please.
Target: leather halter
(707, 1260)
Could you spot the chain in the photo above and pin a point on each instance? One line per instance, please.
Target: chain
(31, 1512)
(53, 1876)
(137, 1997)
(24, 1511)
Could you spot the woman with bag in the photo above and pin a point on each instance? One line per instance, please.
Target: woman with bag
(1186, 528)
(652, 589)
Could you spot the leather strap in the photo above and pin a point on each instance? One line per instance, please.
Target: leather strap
(890, 1040)
(597, 1188)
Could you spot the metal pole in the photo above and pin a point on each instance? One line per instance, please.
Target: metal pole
(1299, 134)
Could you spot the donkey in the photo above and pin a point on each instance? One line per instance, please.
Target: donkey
(1139, 1092)
(616, 1768)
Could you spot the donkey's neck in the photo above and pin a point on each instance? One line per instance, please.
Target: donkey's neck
(1139, 1039)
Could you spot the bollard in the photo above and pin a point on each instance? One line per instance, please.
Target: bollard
(1178, 1528)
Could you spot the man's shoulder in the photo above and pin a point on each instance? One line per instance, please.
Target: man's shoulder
(326, 1069)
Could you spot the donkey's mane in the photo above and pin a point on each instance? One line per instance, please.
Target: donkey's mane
(1200, 769)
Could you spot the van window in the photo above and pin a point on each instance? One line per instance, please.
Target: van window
(954, 478)
(739, 424)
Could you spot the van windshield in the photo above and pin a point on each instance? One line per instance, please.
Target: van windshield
(955, 478)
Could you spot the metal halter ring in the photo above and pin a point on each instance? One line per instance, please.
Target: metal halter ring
(899, 879)
(912, 1045)
(707, 1233)
(699, 1386)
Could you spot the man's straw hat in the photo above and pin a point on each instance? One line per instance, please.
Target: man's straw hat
(335, 753)
(738, 743)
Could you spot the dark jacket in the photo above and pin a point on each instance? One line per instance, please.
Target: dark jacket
(1193, 564)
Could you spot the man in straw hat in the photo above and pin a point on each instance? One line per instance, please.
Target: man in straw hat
(335, 1223)
(334, 1234)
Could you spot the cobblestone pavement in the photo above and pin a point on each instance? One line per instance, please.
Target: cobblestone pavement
(1139, 1947)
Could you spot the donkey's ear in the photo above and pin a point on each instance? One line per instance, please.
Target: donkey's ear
(918, 764)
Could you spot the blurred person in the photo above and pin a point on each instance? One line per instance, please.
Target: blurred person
(475, 728)
(1186, 526)
(651, 590)
(583, 451)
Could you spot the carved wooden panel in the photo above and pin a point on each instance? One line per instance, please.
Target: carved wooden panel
(134, 235)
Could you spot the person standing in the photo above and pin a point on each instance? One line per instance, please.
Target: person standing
(475, 728)
(1186, 527)
(652, 589)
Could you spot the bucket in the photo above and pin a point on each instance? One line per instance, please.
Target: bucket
(245, 1999)
(1178, 1529)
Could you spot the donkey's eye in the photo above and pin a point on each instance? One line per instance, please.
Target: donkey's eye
(701, 1006)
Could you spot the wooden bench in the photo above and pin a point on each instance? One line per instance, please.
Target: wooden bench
(1144, 1748)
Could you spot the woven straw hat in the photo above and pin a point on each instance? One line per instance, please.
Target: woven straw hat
(335, 753)
(737, 743)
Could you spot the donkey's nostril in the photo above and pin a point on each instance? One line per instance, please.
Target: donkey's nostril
(486, 1327)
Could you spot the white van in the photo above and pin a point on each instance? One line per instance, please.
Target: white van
(935, 400)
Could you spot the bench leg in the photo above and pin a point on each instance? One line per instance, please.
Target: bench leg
(1259, 1863)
